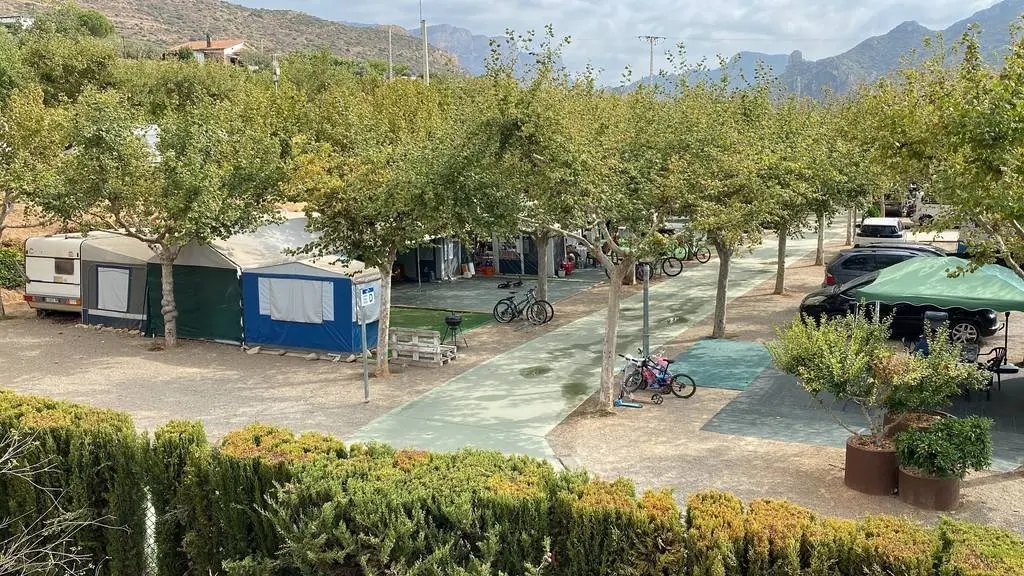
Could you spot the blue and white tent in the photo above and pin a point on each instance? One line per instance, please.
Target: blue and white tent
(311, 305)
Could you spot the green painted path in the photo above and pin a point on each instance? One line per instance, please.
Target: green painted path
(511, 402)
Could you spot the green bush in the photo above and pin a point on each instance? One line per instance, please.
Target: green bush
(948, 447)
(602, 528)
(834, 547)
(896, 546)
(975, 550)
(174, 446)
(11, 259)
(938, 377)
(97, 462)
(776, 537)
(715, 534)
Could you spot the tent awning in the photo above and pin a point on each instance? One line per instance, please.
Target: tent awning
(927, 281)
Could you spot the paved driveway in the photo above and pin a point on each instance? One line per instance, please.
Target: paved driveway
(511, 402)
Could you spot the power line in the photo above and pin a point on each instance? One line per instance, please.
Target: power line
(652, 40)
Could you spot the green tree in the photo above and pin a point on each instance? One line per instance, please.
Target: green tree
(367, 174)
(69, 19)
(214, 171)
(31, 145)
(13, 73)
(713, 175)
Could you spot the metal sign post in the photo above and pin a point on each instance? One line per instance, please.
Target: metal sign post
(365, 299)
(647, 309)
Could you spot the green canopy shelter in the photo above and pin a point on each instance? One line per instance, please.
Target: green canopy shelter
(927, 281)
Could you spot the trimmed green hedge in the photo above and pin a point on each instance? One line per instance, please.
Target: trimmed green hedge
(267, 502)
(11, 259)
(976, 550)
(97, 459)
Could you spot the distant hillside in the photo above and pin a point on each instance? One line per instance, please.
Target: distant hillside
(471, 49)
(168, 22)
(742, 68)
(877, 56)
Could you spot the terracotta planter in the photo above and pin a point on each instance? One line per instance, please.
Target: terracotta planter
(901, 426)
(929, 493)
(871, 471)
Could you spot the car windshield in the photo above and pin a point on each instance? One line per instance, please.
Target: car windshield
(878, 231)
(856, 283)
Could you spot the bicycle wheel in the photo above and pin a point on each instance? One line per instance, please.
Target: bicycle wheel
(683, 386)
(703, 254)
(536, 313)
(672, 266)
(504, 311)
(631, 383)
(549, 308)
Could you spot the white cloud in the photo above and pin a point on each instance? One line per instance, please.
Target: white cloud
(605, 31)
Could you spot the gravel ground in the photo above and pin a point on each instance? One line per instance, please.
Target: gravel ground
(667, 448)
(220, 384)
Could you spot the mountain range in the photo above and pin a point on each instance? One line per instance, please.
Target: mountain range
(160, 24)
(868, 60)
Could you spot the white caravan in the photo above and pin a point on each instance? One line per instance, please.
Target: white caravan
(53, 265)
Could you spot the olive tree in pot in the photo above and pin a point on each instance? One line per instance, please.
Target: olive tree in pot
(843, 360)
(934, 459)
(931, 384)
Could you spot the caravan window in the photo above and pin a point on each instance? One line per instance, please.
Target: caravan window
(295, 300)
(64, 266)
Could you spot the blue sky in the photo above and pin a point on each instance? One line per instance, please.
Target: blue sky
(605, 32)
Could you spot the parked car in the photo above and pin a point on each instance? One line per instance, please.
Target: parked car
(929, 249)
(851, 264)
(965, 326)
(880, 231)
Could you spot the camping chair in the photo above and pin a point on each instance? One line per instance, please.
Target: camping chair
(996, 365)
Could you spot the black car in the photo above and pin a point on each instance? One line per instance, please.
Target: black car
(852, 264)
(965, 326)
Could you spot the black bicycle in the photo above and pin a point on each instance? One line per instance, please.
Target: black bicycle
(537, 312)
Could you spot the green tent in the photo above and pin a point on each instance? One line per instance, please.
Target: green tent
(926, 281)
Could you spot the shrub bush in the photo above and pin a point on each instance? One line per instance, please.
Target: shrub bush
(776, 537)
(715, 534)
(11, 259)
(896, 546)
(602, 528)
(97, 461)
(975, 550)
(174, 445)
(834, 547)
(948, 447)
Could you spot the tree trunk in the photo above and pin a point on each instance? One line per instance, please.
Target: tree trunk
(849, 226)
(819, 255)
(725, 253)
(3, 313)
(384, 324)
(168, 307)
(881, 205)
(541, 239)
(780, 271)
(617, 273)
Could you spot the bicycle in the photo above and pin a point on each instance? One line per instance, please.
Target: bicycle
(537, 312)
(653, 373)
(670, 266)
(696, 248)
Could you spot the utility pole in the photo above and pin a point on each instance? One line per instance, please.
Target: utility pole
(652, 40)
(391, 66)
(426, 55)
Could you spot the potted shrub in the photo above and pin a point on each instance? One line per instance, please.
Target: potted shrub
(933, 381)
(850, 359)
(933, 460)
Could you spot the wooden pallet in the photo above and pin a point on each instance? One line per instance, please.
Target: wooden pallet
(419, 347)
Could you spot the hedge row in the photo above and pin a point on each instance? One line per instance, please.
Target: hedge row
(97, 461)
(268, 502)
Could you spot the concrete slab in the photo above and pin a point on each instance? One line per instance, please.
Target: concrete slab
(516, 399)
(776, 407)
(481, 293)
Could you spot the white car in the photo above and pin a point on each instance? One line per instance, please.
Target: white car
(880, 231)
